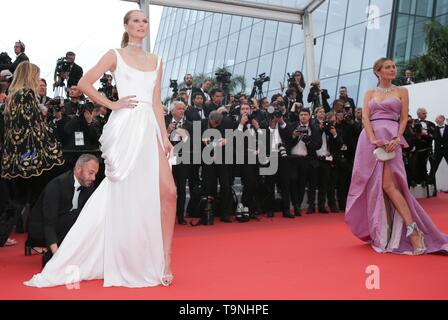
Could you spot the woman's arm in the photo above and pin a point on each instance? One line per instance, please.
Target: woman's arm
(158, 110)
(106, 63)
(404, 111)
(366, 118)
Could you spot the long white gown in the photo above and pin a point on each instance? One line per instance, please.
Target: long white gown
(118, 234)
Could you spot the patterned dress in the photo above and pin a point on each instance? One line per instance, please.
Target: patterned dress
(29, 146)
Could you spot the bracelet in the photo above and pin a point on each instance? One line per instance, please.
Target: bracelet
(397, 139)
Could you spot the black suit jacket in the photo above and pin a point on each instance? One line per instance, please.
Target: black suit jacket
(313, 97)
(441, 142)
(22, 57)
(192, 114)
(54, 203)
(75, 75)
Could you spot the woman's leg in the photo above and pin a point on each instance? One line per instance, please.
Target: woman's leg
(167, 206)
(400, 204)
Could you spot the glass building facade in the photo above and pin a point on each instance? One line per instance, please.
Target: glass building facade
(350, 36)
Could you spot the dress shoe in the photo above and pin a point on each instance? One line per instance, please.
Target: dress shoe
(297, 211)
(226, 219)
(288, 215)
(324, 210)
(182, 221)
(311, 210)
(334, 209)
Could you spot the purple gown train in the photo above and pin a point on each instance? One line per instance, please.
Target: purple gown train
(369, 214)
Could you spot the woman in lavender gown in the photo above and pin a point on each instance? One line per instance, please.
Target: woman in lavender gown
(380, 208)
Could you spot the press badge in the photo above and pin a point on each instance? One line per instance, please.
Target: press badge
(79, 138)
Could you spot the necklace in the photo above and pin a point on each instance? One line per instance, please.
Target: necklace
(385, 90)
(135, 44)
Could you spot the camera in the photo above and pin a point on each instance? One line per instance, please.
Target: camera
(282, 150)
(328, 125)
(5, 58)
(84, 106)
(273, 113)
(348, 116)
(55, 104)
(291, 80)
(418, 128)
(62, 65)
(174, 86)
(104, 80)
(223, 78)
(262, 78)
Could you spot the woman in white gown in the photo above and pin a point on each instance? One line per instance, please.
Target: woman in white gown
(123, 234)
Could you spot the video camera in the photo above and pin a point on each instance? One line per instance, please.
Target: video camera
(223, 78)
(174, 85)
(262, 78)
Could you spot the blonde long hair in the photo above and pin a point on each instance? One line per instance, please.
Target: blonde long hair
(26, 76)
(125, 38)
(379, 65)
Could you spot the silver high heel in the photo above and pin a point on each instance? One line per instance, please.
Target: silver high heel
(410, 230)
(167, 279)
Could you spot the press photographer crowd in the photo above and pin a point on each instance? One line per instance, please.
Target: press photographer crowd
(51, 159)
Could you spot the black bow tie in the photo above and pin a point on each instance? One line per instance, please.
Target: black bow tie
(80, 188)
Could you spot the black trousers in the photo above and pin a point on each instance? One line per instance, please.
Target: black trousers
(249, 178)
(321, 177)
(420, 165)
(180, 175)
(344, 170)
(438, 156)
(282, 180)
(301, 174)
(332, 185)
(213, 173)
(64, 224)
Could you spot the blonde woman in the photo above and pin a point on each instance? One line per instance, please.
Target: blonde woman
(29, 148)
(380, 208)
(124, 232)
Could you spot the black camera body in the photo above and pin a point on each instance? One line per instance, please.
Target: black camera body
(328, 125)
(5, 58)
(174, 85)
(84, 106)
(104, 80)
(262, 78)
(56, 104)
(63, 65)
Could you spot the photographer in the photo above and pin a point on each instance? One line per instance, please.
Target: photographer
(19, 50)
(318, 97)
(277, 134)
(179, 130)
(217, 97)
(247, 128)
(75, 72)
(345, 156)
(42, 92)
(348, 102)
(291, 98)
(82, 134)
(189, 88)
(57, 118)
(215, 171)
(407, 79)
(75, 98)
(107, 88)
(441, 147)
(305, 139)
(424, 134)
(204, 90)
(297, 82)
(331, 142)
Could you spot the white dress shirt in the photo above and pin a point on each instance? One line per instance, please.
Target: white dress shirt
(76, 194)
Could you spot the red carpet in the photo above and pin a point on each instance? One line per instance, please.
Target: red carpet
(313, 257)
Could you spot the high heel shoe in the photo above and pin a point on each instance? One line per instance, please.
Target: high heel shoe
(410, 230)
(167, 279)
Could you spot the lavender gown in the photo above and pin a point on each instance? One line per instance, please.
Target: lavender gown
(369, 214)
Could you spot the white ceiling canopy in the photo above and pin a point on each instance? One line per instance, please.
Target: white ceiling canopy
(289, 11)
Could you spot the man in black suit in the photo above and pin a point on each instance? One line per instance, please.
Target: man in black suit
(426, 130)
(408, 78)
(305, 139)
(189, 88)
(276, 135)
(196, 111)
(59, 205)
(440, 146)
(217, 169)
(75, 73)
(180, 130)
(331, 142)
(19, 50)
(203, 90)
(318, 97)
(348, 102)
(217, 97)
